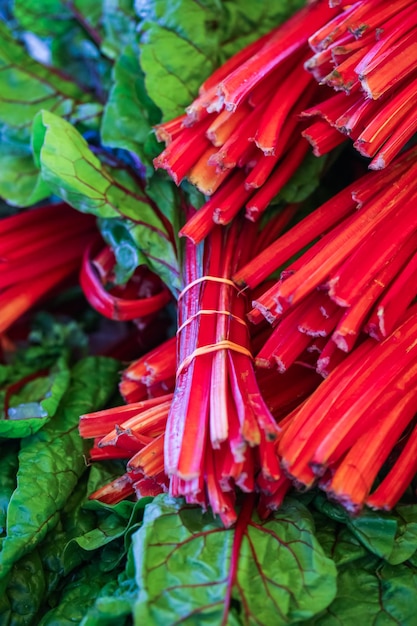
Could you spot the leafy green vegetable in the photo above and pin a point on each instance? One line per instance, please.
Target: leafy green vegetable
(8, 468)
(20, 181)
(305, 180)
(25, 591)
(184, 41)
(115, 600)
(130, 114)
(51, 462)
(77, 596)
(74, 520)
(75, 174)
(391, 535)
(372, 592)
(183, 562)
(36, 403)
(27, 87)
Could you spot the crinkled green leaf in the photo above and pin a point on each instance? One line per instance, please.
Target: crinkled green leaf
(31, 408)
(106, 18)
(8, 468)
(77, 596)
(49, 343)
(184, 41)
(183, 560)
(373, 592)
(25, 591)
(405, 545)
(27, 86)
(337, 541)
(114, 523)
(245, 21)
(130, 114)
(51, 17)
(74, 520)
(391, 535)
(51, 461)
(75, 174)
(114, 603)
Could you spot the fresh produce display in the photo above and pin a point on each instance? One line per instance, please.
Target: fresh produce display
(208, 319)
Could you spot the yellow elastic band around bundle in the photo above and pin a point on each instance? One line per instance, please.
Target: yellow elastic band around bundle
(213, 347)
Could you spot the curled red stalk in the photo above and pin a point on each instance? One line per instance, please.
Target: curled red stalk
(129, 304)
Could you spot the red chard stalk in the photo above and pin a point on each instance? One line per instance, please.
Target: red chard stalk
(237, 126)
(368, 51)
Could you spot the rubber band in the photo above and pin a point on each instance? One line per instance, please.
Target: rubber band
(214, 279)
(211, 312)
(213, 347)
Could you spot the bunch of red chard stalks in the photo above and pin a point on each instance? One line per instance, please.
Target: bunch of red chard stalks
(217, 403)
(56, 236)
(240, 141)
(314, 382)
(367, 53)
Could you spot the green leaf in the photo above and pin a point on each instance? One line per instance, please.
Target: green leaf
(8, 468)
(77, 596)
(130, 114)
(25, 591)
(50, 17)
(373, 592)
(183, 562)
(337, 541)
(26, 87)
(184, 41)
(391, 535)
(120, 26)
(405, 545)
(75, 174)
(74, 520)
(116, 232)
(31, 408)
(115, 522)
(115, 601)
(51, 462)
(20, 181)
(305, 180)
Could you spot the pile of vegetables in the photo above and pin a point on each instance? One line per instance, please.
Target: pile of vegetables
(208, 320)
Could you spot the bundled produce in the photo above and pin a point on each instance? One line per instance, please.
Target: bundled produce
(256, 462)
(56, 238)
(362, 247)
(343, 270)
(234, 436)
(367, 53)
(239, 142)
